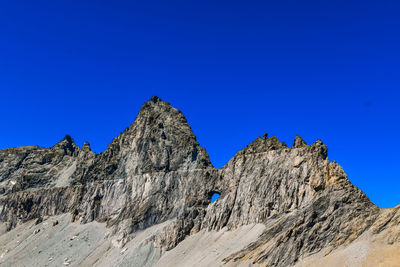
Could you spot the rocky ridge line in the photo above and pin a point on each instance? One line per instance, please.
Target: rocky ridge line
(156, 171)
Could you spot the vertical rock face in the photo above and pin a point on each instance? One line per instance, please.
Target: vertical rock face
(160, 139)
(148, 174)
(156, 172)
(267, 178)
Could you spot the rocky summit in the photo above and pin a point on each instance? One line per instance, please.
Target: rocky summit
(146, 201)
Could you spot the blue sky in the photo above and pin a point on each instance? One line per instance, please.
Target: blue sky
(236, 69)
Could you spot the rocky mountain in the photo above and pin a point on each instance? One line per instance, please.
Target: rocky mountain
(146, 201)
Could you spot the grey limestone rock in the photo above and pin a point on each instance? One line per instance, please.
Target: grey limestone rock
(156, 171)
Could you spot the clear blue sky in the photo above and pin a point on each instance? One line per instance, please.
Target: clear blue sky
(320, 69)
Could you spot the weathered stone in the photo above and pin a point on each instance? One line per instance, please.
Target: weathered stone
(299, 142)
(156, 172)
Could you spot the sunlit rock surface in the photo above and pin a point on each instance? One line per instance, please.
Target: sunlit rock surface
(146, 200)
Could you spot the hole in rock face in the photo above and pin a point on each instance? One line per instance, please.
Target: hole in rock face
(215, 196)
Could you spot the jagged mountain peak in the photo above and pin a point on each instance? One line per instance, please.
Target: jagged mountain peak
(159, 139)
(278, 205)
(86, 148)
(66, 145)
(260, 145)
(299, 142)
(157, 114)
(155, 99)
(68, 138)
(162, 130)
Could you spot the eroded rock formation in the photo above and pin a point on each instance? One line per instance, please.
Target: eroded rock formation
(156, 173)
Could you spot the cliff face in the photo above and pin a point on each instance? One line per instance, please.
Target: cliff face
(156, 173)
